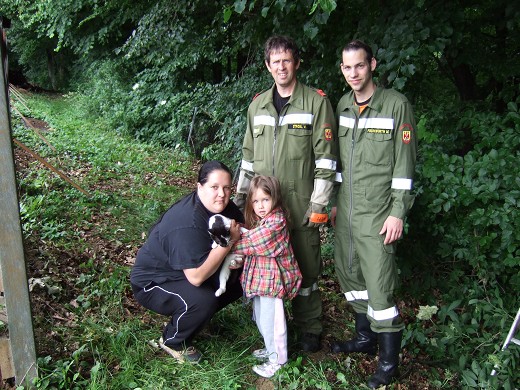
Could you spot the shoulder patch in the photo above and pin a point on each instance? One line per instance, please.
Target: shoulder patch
(321, 92)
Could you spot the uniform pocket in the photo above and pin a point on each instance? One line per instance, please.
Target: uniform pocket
(343, 131)
(259, 143)
(299, 146)
(378, 149)
(390, 248)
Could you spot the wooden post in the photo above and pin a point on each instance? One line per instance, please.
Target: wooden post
(15, 292)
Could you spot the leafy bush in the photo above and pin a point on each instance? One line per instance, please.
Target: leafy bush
(204, 120)
(464, 236)
(469, 203)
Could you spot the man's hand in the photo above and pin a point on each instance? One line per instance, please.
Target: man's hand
(393, 227)
(315, 216)
(333, 212)
(240, 201)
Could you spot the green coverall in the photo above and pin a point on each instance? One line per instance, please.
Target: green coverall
(377, 159)
(299, 148)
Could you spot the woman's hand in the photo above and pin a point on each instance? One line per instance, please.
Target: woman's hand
(234, 231)
(197, 276)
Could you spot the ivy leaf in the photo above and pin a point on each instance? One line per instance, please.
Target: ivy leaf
(227, 14)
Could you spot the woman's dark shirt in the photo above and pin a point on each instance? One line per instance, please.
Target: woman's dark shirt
(179, 241)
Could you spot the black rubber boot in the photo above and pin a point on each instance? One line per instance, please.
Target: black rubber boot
(365, 340)
(310, 342)
(387, 369)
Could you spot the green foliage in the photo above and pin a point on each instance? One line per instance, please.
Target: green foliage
(304, 374)
(62, 374)
(471, 200)
(465, 340)
(182, 75)
(463, 232)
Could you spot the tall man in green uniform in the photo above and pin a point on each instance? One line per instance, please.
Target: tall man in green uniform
(291, 134)
(377, 149)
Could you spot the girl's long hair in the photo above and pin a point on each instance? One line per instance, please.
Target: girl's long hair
(271, 186)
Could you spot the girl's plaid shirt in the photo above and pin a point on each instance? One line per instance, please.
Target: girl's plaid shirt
(270, 268)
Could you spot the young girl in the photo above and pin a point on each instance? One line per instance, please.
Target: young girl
(270, 269)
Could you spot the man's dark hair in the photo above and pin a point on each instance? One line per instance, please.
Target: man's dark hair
(356, 44)
(281, 43)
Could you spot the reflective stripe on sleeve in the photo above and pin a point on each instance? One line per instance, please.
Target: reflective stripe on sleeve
(305, 292)
(338, 178)
(357, 295)
(401, 183)
(325, 163)
(381, 315)
(247, 166)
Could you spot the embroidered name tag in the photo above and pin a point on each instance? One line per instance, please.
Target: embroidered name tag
(378, 131)
(299, 126)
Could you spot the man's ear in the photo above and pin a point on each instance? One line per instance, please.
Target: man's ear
(373, 64)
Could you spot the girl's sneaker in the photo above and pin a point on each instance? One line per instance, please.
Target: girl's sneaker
(261, 354)
(267, 370)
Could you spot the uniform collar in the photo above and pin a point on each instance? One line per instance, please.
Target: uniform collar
(296, 99)
(375, 103)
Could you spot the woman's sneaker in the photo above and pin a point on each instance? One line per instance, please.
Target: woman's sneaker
(267, 370)
(261, 354)
(188, 354)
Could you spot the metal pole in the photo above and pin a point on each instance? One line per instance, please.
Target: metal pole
(12, 260)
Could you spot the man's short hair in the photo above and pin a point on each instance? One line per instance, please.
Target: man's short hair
(282, 43)
(356, 44)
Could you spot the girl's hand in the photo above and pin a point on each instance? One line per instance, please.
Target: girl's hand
(236, 262)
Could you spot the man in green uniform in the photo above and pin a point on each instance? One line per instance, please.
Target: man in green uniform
(377, 149)
(291, 135)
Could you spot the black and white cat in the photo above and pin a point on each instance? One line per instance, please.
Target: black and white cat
(219, 232)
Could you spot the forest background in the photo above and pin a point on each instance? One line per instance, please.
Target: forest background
(181, 75)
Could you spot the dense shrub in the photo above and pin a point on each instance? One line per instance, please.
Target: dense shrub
(463, 252)
(207, 120)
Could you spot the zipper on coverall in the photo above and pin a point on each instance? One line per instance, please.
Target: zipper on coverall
(351, 195)
(276, 127)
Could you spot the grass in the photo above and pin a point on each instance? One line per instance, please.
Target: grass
(96, 336)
